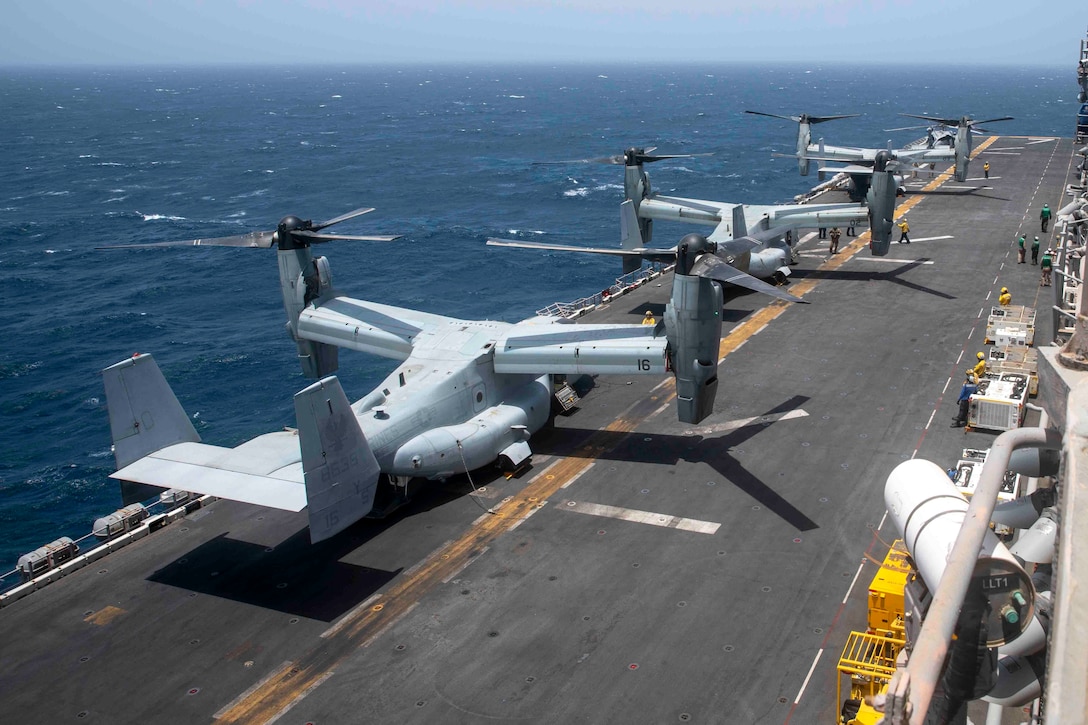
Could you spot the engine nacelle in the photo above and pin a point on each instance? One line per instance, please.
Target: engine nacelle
(963, 151)
(693, 323)
(804, 138)
(881, 202)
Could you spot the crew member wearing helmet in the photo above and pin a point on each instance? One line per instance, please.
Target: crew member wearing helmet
(970, 387)
(980, 367)
(1005, 299)
(648, 318)
(1035, 251)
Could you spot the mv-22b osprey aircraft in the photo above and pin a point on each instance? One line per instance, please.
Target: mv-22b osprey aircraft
(746, 237)
(466, 393)
(861, 160)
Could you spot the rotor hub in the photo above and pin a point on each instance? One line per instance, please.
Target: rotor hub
(689, 249)
(291, 222)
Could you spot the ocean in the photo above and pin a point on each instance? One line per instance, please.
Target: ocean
(446, 154)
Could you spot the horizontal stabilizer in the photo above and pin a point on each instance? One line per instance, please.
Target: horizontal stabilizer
(264, 471)
(341, 473)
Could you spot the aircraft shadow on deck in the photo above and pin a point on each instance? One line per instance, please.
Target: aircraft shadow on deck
(293, 577)
(669, 449)
(730, 314)
(311, 580)
(973, 192)
(875, 276)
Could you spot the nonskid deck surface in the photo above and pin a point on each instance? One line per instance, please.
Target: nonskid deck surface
(642, 571)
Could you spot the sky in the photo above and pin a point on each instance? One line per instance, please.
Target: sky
(284, 32)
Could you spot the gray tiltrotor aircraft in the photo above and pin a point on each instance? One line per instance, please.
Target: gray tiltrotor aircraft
(901, 160)
(466, 393)
(747, 237)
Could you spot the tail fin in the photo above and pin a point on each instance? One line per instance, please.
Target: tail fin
(145, 416)
(341, 473)
(740, 224)
(630, 235)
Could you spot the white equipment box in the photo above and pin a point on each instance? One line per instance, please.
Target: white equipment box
(1011, 325)
(967, 473)
(1024, 360)
(1000, 403)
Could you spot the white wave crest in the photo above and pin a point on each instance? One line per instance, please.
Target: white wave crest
(581, 191)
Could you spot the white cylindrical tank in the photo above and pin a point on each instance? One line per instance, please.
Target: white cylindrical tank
(1037, 543)
(1019, 681)
(929, 512)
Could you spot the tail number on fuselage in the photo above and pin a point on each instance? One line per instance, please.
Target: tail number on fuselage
(644, 365)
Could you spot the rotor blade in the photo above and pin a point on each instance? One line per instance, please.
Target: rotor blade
(739, 245)
(651, 253)
(253, 240)
(711, 267)
(350, 237)
(904, 128)
(615, 160)
(821, 119)
(661, 157)
(944, 121)
(795, 119)
(342, 218)
(496, 242)
(993, 120)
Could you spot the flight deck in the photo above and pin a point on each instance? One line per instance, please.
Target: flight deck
(641, 571)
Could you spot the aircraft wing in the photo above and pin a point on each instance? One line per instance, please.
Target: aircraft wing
(266, 470)
(840, 153)
(675, 208)
(371, 327)
(581, 349)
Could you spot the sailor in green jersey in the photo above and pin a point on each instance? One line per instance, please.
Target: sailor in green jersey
(1046, 266)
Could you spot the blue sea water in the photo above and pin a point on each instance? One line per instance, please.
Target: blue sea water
(110, 156)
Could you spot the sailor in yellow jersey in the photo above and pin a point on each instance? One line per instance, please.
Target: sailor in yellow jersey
(903, 229)
(648, 318)
(1005, 299)
(980, 367)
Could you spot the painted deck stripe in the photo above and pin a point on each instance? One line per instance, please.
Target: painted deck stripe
(854, 581)
(745, 422)
(889, 260)
(808, 676)
(641, 517)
